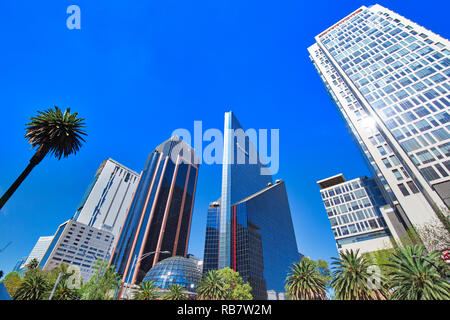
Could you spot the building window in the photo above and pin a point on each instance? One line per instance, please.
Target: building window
(425, 157)
(429, 174)
(397, 174)
(403, 189)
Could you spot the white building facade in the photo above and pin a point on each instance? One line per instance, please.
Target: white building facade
(78, 244)
(107, 199)
(359, 214)
(390, 81)
(39, 249)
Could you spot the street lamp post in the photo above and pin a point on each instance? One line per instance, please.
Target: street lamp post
(54, 287)
(135, 260)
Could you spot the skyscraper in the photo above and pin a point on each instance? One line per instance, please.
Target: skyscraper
(389, 78)
(249, 229)
(158, 222)
(360, 217)
(39, 249)
(105, 203)
(241, 177)
(94, 229)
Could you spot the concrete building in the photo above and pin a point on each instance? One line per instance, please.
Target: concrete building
(76, 243)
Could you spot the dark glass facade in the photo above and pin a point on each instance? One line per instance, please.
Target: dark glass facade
(262, 239)
(160, 213)
(211, 252)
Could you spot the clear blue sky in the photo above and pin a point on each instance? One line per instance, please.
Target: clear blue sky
(138, 70)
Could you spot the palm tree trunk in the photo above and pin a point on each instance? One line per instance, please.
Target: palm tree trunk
(38, 156)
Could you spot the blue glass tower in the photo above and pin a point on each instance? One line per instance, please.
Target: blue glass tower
(241, 177)
(249, 229)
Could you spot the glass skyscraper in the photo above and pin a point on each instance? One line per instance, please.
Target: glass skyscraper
(159, 218)
(241, 176)
(389, 79)
(249, 229)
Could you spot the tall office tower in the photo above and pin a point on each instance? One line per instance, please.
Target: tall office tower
(359, 215)
(251, 231)
(39, 249)
(76, 243)
(389, 78)
(242, 175)
(159, 218)
(108, 197)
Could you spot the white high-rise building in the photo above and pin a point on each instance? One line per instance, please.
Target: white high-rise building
(39, 249)
(390, 80)
(107, 199)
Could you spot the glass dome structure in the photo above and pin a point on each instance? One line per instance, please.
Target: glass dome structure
(186, 272)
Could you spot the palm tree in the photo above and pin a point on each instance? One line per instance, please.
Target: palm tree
(62, 292)
(211, 287)
(34, 287)
(33, 264)
(304, 282)
(415, 276)
(351, 278)
(147, 291)
(51, 132)
(175, 293)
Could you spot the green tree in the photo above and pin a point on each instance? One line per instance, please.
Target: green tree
(324, 270)
(63, 292)
(305, 282)
(34, 287)
(147, 291)
(12, 282)
(351, 278)
(33, 264)
(175, 293)
(102, 281)
(51, 132)
(211, 287)
(234, 286)
(416, 275)
(53, 274)
(380, 258)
